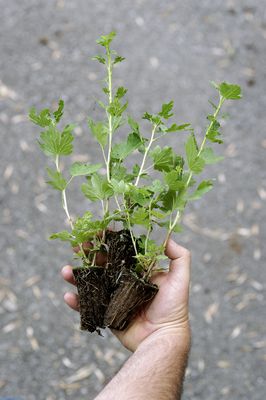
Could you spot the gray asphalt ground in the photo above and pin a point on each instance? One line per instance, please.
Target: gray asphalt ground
(173, 49)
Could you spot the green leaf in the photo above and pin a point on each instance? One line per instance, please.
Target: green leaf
(213, 130)
(191, 150)
(85, 229)
(121, 150)
(118, 59)
(163, 158)
(175, 127)
(157, 214)
(209, 157)
(97, 188)
(59, 112)
(138, 195)
(140, 216)
(166, 110)
(116, 109)
(57, 181)
(99, 131)
(106, 39)
(228, 91)
(178, 228)
(154, 119)
(78, 169)
(99, 58)
(133, 124)
(195, 163)
(174, 180)
(119, 187)
(65, 236)
(117, 122)
(54, 143)
(157, 186)
(118, 171)
(43, 119)
(169, 200)
(204, 187)
(121, 91)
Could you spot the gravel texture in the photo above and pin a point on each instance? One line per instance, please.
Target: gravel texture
(173, 49)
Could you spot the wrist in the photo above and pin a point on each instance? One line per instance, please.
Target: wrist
(170, 337)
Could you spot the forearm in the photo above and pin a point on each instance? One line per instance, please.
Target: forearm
(155, 371)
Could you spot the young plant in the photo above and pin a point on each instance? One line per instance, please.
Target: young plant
(153, 193)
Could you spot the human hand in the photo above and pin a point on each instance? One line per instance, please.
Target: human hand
(167, 314)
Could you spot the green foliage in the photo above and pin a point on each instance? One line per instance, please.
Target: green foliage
(42, 119)
(122, 150)
(204, 187)
(57, 181)
(164, 159)
(78, 169)
(56, 143)
(153, 191)
(99, 131)
(195, 162)
(230, 92)
(97, 188)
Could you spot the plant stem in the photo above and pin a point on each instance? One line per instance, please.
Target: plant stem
(145, 154)
(65, 206)
(178, 214)
(110, 119)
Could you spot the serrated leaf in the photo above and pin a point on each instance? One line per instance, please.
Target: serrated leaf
(105, 90)
(157, 214)
(57, 181)
(191, 149)
(78, 169)
(230, 92)
(204, 187)
(121, 150)
(169, 200)
(133, 124)
(121, 91)
(97, 188)
(105, 40)
(157, 186)
(138, 195)
(65, 236)
(163, 158)
(166, 110)
(213, 133)
(119, 187)
(99, 131)
(59, 112)
(140, 216)
(147, 116)
(175, 128)
(55, 143)
(195, 163)
(118, 59)
(99, 58)
(116, 109)
(174, 180)
(209, 157)
(42, 119)
(85, 229)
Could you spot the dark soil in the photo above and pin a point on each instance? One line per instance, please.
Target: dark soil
(112, 295)
(93, 297)
(127, 300)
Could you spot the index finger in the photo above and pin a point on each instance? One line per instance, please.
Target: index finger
(68, 275)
